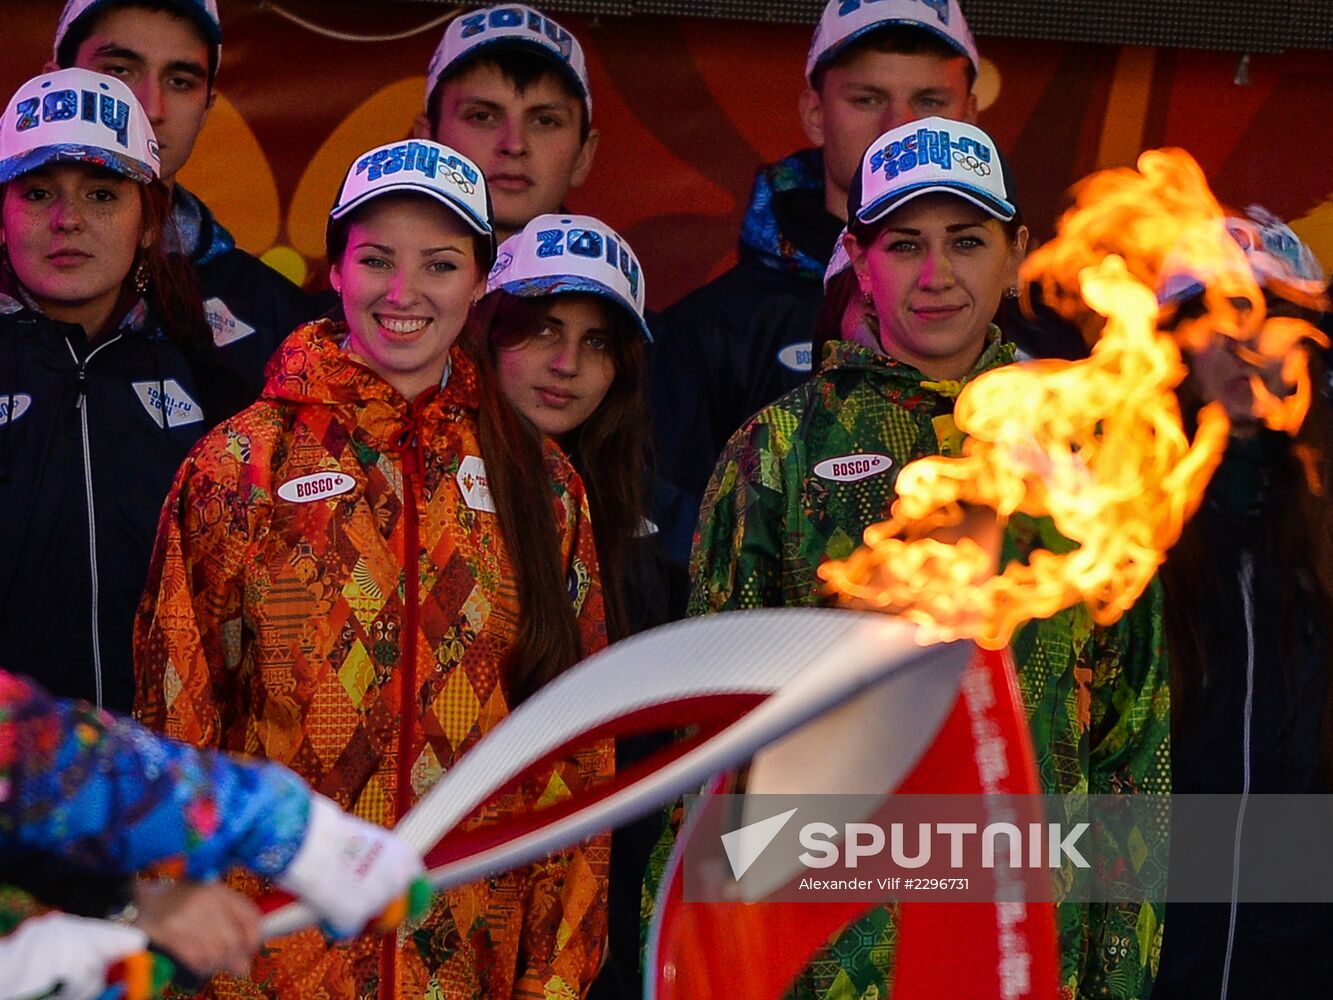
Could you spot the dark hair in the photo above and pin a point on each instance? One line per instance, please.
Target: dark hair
(865, 233)
(522, 68)
(902, 39)
(548, 636)
(83, 27)
(838, 295)
(335, 231)
(1295, 529)
(609, 450)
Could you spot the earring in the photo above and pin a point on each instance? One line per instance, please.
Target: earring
(866, 299)
(1011, 292)
(141, 277)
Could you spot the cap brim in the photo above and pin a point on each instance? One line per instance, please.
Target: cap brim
(513, 42)
(836, 49)
(565, 284)
(984, 200)
(93, 156)
(211, 29)
(410, 187)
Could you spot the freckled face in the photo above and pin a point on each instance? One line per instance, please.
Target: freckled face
(72, 232)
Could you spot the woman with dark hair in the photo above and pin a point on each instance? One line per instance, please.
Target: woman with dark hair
(107, 377)
(935, 242)
(566, 333)
(567, 336)
(1249, 600)
(361, 574)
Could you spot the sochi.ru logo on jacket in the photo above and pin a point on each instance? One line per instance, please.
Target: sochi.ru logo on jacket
(168, 403)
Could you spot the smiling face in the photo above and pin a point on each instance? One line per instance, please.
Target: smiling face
(72, 232)
(528, 143)
(407, 277)
(163, 58)
(559, 376)
(936, 271)
(867, 94)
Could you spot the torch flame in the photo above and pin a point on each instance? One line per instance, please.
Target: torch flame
(1096, 445)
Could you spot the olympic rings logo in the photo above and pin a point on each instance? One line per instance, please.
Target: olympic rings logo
(969, 162)
(459, 181)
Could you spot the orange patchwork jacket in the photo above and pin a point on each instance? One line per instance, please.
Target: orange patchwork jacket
(279, 622)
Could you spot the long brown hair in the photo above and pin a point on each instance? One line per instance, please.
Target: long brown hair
(609, 450)
(1295, 528)
(176, 302)
(548, 636)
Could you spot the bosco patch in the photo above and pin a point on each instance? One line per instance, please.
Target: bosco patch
(316, 486)
(798, 356)
(851, 468)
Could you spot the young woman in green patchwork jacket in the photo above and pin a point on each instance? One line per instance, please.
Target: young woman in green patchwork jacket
(934, 248)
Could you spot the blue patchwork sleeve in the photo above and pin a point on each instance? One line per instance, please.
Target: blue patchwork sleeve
(106, 793)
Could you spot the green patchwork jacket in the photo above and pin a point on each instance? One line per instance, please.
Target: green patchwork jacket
(797, 485)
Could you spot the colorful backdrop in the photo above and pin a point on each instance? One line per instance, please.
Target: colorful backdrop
(690, 108)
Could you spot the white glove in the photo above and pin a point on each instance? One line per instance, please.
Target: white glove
(347, 869)
(63, 956)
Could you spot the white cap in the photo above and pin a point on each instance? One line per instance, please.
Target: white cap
(926, 156)
(203, 12)
(1278, 260)
(510, 26)
(423, 167)
(559, 254)
(840, 260)
(79, 116)
(844, 21)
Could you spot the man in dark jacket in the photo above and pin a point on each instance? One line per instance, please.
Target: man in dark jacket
(736, 344)
(167, 52)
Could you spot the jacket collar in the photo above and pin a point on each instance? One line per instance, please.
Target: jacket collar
(135, 316)
(843, 354)
(786, 227)
(312, 368)
(194, 232)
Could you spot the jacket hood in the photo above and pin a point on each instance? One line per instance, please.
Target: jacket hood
(312, 368)
(786, 226)
(195, 232)
(845, 355)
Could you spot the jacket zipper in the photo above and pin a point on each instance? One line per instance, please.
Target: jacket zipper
(82, 406)
(1247, 603)
(412, 474)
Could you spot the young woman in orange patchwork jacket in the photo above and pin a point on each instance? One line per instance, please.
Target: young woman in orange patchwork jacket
(361, 574)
